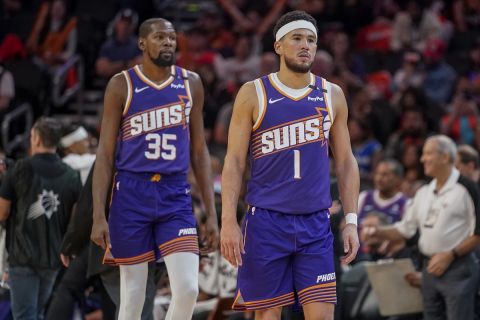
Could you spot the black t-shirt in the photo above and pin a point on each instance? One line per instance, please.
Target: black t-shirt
(42, 190)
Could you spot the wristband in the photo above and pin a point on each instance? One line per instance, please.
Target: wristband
(351, 218)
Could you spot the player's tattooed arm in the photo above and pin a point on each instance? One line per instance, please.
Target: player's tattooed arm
(245, 112)
(114, 101)
(201, 165)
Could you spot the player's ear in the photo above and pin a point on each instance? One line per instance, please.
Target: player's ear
(277, 45)
(141, 43)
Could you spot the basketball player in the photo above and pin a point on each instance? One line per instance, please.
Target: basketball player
(287, 120)
(152, 123)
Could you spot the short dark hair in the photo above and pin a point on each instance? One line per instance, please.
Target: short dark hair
(293, 16)
(397, 167)
(146, 27)
(468, 154)
(49, 130)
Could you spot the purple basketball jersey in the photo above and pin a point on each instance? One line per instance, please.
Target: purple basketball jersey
(289, 148)
(154, 135)
(393, 210)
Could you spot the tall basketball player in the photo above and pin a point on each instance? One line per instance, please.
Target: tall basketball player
(287, 121)
(152, 125)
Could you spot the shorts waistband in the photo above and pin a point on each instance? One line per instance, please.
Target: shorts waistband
(153, 177)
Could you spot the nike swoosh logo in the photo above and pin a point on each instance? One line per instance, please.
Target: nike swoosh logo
(276, 100)
(137, 90)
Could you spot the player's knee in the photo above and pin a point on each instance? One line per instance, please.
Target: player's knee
(270, 314)
(189, 292)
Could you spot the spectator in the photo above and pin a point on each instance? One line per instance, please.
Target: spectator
(440, 77)
(75, 146)
(243, 66)
(269, 63)
(219, 38)
(413, 27)
(120, 51)
(250, 19)
(412, 131)
(194, 49)
(53, 38)
(214, 96)
(375, 36)
(466, 15)
(410, 74)
(348, 66)
(365, 148)
(222, 123)
(412, 98)
(36, 200)
(7, 90)
(460, 123)
(385, 197)
(323, 65)
(468, 162)
(446, 213)
(414, 177)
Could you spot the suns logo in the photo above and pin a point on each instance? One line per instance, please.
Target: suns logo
(46, 204)
(316, 128)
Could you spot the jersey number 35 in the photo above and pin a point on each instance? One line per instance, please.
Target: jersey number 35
(160, 146)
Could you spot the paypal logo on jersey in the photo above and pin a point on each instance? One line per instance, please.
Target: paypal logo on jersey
(317, 98)
(177, 86)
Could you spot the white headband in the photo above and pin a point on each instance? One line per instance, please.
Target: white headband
(298, 24)
(76, 136)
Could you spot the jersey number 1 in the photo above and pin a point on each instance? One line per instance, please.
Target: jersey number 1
(296, 164)
(160, 146)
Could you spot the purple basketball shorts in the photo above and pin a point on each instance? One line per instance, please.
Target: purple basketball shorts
(151, 216)
(288, 257)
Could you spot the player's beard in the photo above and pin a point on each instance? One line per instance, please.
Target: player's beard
(296, 67)
(160, 61)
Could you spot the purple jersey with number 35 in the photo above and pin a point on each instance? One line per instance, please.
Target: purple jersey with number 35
(289, 147)
(154, 135)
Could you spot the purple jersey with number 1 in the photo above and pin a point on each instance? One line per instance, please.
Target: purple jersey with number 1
(289, 151)
(286, 231)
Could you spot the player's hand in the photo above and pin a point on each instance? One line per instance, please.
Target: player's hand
(439, 263)
(209, 236)
(350, 243)
(231, 240)
(100, 234)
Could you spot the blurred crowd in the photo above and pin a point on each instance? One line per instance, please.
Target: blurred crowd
(409, 69)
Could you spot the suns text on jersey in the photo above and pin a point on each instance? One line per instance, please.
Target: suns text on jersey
(156, 119)
(291, 135)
